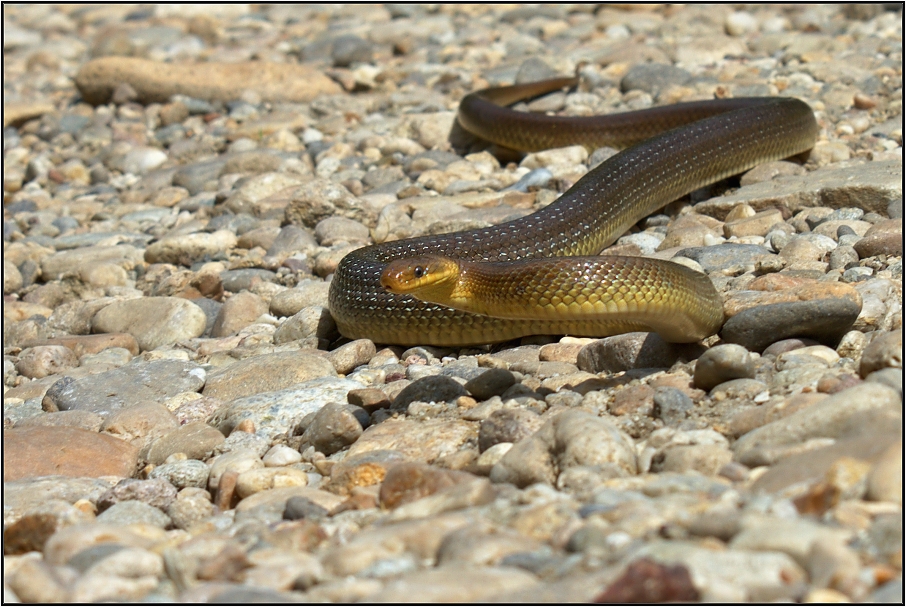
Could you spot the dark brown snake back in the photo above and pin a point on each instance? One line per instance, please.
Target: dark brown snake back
(588, 217)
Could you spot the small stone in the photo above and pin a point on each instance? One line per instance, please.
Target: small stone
(890, 377)
(281, 455)
(826, 320)
(335, 230)
(262, 479)
(445, 583)
(671, 405)
(483, 545)
(492, 382)
(268, 505)
(362, 470)
(154, 492)
(629, 351)
(291, 301)
(313, 321)
(794, 537)
(370, 399)
(419, 440)
(299, 507)
(507, 426)
(49, 450)
(182, 474)
(572, 438)
(153, 321)
(722, 363)
(646, 581)
(884, 238)
(234, 462)
(197, 440)
(190, 248)
(885, 481)
(238, 312)
(884, 351)
(757, 225)
(29, 533)
(38, 582)
(266, 373)
(336, 426)
(706, 459)
(245, 279)
(436, 388)
(132, 512)
(156, 82)
(140, 424)
(92, 344)
(347, 357)
(12, 278)
(41, 361)
(652, 77)
(408, 482)
(131, 384)
(828, 418)
(280, 411)
(104, 275)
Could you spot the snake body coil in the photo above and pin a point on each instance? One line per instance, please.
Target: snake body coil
(720, 138)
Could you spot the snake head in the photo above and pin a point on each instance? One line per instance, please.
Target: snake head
(420, 276)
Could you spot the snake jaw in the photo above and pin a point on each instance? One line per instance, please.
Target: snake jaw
(421, 276)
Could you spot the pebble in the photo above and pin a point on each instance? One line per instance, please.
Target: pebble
(134, 512)
(425, 441)
(885, 480)
(507, 426)
(628, 351)
(140, 424)
(152, 321)
(155, 82)
(828, 419)
(196, 440)
(53, 450)
(869, 187)
(183, 473)
(722, 363)
(265, 373)
(126, 386)
(177, 196)
(313, 321)
(347, 357)
(671, 405)
(429, 389)
(492, 382)
(281, 410)
(281, 455)
(41, 361)
(335, 426)
(884, 351)
(238, 312)
(544, 455)
(824, 319)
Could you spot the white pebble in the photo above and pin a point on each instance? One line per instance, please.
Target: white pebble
(775, 25)
(311, 135)
(741, 23)
(618, 31)
(281, 455)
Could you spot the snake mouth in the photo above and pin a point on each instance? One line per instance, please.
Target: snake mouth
(419, 276)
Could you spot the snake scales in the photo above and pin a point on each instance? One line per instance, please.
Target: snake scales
(542, 264)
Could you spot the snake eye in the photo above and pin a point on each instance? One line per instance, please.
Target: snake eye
(419, 271)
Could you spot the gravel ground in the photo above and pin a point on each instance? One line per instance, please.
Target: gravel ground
(183, 422)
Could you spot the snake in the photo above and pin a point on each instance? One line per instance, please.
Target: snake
(541, 274)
